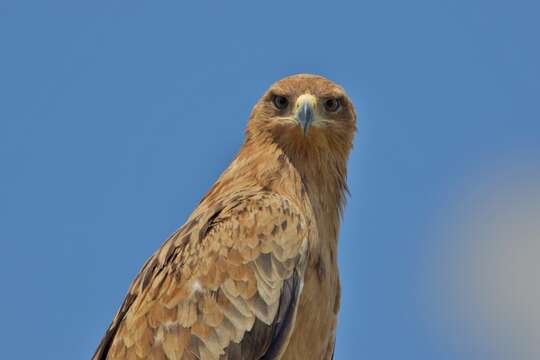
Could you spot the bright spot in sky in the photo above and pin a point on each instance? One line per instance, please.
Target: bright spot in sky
(487, 278)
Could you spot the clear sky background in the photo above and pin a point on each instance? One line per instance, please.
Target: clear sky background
(117, 116)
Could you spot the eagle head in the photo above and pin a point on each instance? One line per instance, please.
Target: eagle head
(304, 112)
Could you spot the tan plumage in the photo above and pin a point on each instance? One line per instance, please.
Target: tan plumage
(253, 274)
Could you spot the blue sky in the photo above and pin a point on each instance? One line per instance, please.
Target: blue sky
(116, 117)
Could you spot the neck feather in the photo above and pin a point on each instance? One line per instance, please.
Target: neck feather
(312, 177)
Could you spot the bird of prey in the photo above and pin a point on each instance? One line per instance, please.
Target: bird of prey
(252, 274)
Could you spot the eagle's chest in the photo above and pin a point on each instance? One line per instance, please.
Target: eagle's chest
(314, 333)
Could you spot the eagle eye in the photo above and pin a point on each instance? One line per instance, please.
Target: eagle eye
(280, 102)
(332, 105)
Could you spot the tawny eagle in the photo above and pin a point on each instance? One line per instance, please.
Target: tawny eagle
(252, 274)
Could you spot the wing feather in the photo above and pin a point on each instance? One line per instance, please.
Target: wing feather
(225, 286)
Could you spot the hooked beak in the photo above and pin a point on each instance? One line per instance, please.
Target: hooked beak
(305, 111)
